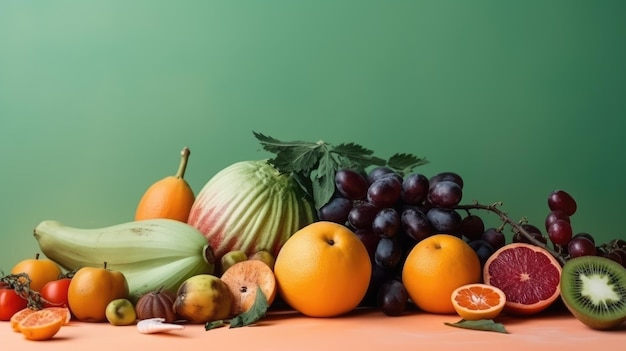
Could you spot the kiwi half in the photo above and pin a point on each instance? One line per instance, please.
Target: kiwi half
(593, 289)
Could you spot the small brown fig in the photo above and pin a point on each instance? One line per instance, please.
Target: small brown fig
(157, 304)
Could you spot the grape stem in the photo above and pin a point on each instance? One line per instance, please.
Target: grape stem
(516, 226)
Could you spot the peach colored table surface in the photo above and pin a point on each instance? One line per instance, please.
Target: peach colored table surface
(365, 329)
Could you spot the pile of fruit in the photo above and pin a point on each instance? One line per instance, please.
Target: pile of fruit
(324, 230)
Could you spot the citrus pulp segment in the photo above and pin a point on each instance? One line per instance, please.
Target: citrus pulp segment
(478, 301)
(41, 325)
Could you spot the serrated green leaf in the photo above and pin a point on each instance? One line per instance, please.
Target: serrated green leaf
(323, 189)
(298, 159)
(291, 156)
(350, 149)
(482, 325)
(254, 314)
(274, 145)
(357, 154)
(405, 163)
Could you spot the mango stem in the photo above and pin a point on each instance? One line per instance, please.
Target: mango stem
(183, 162)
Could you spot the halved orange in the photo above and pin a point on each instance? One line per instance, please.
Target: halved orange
(42, 324)
(243, 278)
(19, 316)
(478, 301)
(61, 311)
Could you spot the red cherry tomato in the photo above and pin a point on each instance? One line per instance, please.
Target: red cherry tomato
(10, 303)
(55, 292)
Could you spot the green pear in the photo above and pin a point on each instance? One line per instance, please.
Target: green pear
(120, 312)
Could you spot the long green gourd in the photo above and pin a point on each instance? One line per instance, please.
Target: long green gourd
(152, 254)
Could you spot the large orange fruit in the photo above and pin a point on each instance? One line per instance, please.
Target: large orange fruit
(435, 267)
(323, 270)
(529, 276)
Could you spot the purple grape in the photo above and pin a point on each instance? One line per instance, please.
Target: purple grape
(336, 210)
(585, 235)
(392, 298)
(446, 176)
(483, 250)
(362, 215)
(386, 223)
(534, 232)
(388, 253)
(351, 184)
(554, 215)
(494, 237)
(618, 243)
(472, 227)
(561, 200)
(581, 246)
(445, 194)
(560, 232)
(379, 276)
(414, 189)
(415, 224)
(612, 255)
(378, 172)
(384, 192)
(621, 253)
(369, 239)
(444, 220)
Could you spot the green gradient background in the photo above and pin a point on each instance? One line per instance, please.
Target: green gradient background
(98, 97)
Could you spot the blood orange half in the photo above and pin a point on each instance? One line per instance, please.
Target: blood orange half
(528, 275)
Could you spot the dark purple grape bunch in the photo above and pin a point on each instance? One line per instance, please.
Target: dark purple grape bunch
(559, 227)
(615, 249)
(561, 233)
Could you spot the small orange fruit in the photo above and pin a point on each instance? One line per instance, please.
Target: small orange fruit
(243, 278)
(435, 267)
(171, 197)
(323, 270)
(39, 270)
(41, 325)
(478, 301)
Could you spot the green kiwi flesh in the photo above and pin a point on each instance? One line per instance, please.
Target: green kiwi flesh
(593, 289)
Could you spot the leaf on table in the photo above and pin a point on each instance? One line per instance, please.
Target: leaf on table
(255, 313)
(214, 324)
(483, 325)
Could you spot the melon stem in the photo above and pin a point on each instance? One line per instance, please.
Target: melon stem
(183, 162)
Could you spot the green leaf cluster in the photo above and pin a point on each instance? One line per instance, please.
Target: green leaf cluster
(314, 164)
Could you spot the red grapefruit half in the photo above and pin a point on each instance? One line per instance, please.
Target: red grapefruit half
(528, 275)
